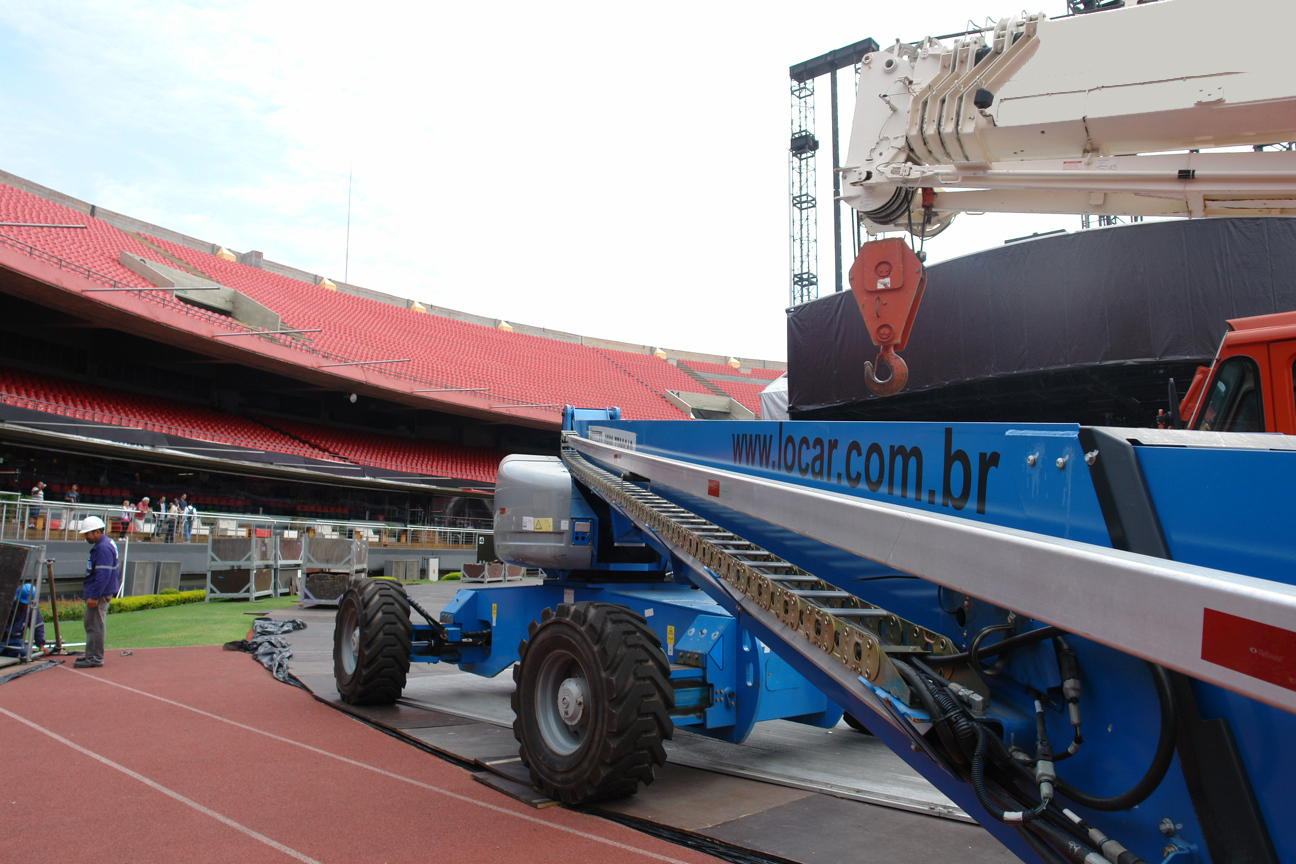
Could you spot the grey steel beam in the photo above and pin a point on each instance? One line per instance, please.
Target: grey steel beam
(1144, 606)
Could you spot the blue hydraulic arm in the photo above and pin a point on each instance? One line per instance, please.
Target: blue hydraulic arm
(1003, 545)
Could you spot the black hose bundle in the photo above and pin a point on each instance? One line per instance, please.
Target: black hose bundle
(1161, 758)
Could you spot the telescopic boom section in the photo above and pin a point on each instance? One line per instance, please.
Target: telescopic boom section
(1083, 115)
(1075, 115)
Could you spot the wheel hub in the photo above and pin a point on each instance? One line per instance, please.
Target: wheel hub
(571, 701)
(355, 641)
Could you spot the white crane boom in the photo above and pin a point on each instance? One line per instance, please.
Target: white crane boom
(1093, 114)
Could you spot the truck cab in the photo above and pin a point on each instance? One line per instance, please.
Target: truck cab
(1250, 387)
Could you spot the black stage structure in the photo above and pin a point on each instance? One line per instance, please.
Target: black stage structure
(1084, 328)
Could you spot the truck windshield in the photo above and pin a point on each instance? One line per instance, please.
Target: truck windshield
(1233, 402)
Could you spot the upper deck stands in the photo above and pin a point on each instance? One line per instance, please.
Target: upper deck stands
(95, 246)
(709, 369)
(747, 393)
(653, 372)
(515, 369)
(520, 367)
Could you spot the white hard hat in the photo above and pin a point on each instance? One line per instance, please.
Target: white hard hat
(91, 523)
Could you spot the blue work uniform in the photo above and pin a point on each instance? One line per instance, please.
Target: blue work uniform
(12, 643)
(103, 575)
(103, 570)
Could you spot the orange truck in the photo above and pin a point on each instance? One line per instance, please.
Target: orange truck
(1250, 386)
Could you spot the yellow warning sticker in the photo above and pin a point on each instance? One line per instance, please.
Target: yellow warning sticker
(545, 524)
(494, 613)
(670, 638)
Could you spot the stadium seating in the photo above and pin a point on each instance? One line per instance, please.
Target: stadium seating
(120, 408)
(431, 459)
(96, 246)
(654, 373)
(746, 393)
(709, 369)
(517, 369)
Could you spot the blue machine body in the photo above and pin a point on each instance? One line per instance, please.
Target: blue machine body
(730, 671)
(725, 680)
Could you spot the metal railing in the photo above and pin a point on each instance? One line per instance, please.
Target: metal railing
(30, 520)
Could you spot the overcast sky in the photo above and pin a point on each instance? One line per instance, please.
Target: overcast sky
(616, 170)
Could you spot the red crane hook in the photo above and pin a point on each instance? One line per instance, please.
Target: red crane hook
(895, 364)
(887, 280)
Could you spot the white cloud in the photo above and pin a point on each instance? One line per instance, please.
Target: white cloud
(608, 169)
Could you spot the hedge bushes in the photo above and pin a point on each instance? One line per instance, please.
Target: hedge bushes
(74, 610)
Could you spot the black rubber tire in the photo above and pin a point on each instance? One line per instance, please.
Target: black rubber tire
(853, 722)
(371, 669)
(617, 743)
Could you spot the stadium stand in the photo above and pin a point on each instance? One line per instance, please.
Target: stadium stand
(747, 393)
(505, 371)
(432, 459)
(95, 246)
(652, 372)
(517, 369)
(709, 369)
(119, 408)
(514, 366)
(728, 380)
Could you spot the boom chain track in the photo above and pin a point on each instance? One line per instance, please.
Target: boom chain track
(858, 634)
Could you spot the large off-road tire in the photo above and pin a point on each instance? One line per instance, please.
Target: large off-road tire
(592, 703)
(853, 722)
(371, 642)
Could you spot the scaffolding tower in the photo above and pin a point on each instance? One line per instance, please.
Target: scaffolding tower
(804, 283)
(803, 280)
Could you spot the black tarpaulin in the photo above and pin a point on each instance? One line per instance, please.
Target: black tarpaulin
(1151, 292)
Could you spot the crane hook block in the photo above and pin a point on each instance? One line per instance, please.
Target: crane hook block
(887, 280)
(893, 383)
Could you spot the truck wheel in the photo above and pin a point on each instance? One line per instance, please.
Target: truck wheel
(592, 702)
(853, 722)
(371, 643)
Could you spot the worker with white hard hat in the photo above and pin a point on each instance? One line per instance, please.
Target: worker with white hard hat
(103, 575)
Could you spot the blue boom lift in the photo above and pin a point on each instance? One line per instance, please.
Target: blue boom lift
(989, 600)
(1085, 637)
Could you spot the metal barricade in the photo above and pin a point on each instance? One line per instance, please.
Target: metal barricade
(289, 552)
(240, 567)
(327, 564)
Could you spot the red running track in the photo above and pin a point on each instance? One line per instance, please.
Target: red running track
(187, 755)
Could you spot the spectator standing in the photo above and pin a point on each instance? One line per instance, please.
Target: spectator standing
(103, 575)
(141, 514)
(127, 512)
(72, 496)
(186, 515)
(160, 525)
(191, 520)
(173, 515)
(37, 495)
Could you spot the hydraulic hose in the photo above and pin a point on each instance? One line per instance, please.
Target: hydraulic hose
(983, 795)
(997, 648)
(974, 650)
(952, 747)
(1160, 759)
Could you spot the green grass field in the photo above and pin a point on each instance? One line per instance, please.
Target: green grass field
(213, 623)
